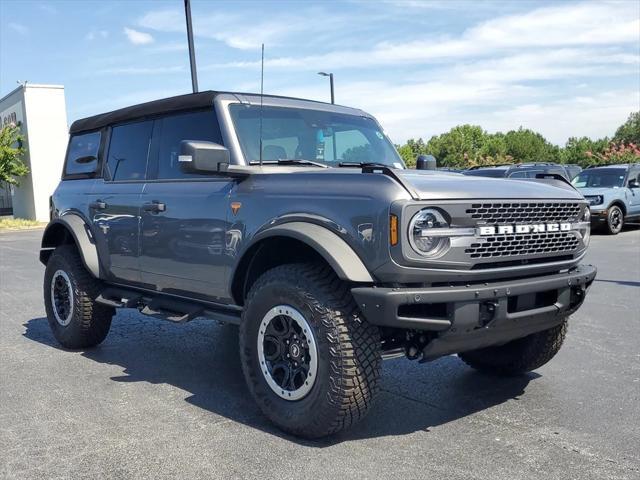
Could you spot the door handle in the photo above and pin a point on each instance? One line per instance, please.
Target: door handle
(98, 205)
(154, 207)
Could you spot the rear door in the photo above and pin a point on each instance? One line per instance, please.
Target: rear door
(184, 215)
(116, 200)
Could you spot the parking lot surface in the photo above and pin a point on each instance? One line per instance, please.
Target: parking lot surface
(158, 400)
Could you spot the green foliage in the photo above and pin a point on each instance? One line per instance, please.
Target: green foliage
(465, 146)
(583, 151)
(629, 131)
(525, 145)
(359, 154)
(11, 165)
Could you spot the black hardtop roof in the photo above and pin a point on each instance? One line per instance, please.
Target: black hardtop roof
(190, 101)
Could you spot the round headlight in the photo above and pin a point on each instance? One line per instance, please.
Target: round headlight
(585, 231)
(424, 232)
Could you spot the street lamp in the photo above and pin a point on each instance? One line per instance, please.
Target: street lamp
(330, 75)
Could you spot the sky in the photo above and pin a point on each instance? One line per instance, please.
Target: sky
(421, 67)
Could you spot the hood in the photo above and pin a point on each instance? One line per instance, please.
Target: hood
(597, 191)
(435, 185)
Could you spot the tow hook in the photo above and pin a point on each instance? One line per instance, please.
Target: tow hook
(487, 313)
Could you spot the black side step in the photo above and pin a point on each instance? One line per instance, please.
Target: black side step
(174, 311)
(119, 298)
(167, 308)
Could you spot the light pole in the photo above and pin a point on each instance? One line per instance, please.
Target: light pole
(330, 75)
(192, 52)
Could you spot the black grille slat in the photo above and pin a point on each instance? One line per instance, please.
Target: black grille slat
(514, 245)
(496, 213)
(531, 244)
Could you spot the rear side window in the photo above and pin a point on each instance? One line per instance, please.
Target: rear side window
(176, 128)
(129, 151)
(82, 157)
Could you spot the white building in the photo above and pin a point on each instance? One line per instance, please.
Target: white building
(41, 113)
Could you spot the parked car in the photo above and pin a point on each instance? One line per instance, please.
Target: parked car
(298, 221)
(522, 170)
(613, 192)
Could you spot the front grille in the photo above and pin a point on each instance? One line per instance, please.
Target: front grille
(529, 244)
(496, 213)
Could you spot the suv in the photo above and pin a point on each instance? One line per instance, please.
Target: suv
(298, 221)
(613, 192)
(524, 170)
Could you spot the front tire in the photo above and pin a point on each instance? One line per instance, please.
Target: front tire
(76, 320)
(615, 220)
(311, 362)
(518, 356)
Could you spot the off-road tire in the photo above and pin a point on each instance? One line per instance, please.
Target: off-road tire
(90, 321)
(518, 356)
(612, 227)
(348, 350)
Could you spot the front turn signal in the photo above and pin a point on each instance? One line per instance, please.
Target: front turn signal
(393, 230)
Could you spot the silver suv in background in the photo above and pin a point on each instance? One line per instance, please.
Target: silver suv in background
(613, 192)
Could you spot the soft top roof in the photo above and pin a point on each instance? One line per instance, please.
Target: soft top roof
(178, 103)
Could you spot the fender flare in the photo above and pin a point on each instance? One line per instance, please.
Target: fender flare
(337, 253)
(79, 230)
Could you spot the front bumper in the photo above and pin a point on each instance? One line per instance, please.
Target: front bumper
(477, 315)
(599, 214)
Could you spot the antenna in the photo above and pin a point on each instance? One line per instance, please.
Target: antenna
(192, 51)
(261, 96)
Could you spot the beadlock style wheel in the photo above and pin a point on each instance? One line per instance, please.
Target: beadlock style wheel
(615, 220)
(287, 352)
(62, 297)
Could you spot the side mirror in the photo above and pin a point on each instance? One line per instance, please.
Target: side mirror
(633, 183)
(426, 162)
(202, 157)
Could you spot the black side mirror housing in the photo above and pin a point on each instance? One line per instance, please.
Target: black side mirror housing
(426, 162)
(633, 183)
(198, 156)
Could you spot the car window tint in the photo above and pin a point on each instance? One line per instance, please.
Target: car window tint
(81, 149)
(129, 151)
(519, 175)
(187, 126)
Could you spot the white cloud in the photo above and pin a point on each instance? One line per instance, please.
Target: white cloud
(235, 30)
(19, 28)
(138, 38)
(568, 25)
(94, 34)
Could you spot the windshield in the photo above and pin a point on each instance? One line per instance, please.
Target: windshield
(600, 178)
(301, 134)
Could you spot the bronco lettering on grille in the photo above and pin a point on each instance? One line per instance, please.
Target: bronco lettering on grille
(523, 229)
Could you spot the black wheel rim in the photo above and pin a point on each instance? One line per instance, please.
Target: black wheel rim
(615, 219)
(62, 297)
(287, 352)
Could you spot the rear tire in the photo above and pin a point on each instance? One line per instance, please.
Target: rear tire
(76, 320)
(518, 356)
(346, 350)
(615, 220)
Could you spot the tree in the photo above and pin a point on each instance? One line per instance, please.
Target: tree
(11, 165)
(410, 151)
(629, 131)
(583, 151)
(525, 145)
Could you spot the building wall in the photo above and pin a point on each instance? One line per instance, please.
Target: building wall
(42, 113)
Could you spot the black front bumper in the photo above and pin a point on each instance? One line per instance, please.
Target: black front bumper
(477, 315)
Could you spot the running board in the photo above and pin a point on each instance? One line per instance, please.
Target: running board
(165, 307)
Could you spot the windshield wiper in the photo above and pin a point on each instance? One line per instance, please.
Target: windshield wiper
(291, 161)
(364, 164)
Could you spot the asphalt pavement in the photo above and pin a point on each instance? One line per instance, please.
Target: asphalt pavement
(158, 400)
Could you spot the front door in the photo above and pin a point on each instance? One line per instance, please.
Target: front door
(185, 215)
(633, 194)
(115, 204)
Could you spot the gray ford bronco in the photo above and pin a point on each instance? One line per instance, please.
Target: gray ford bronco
(298, 221)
